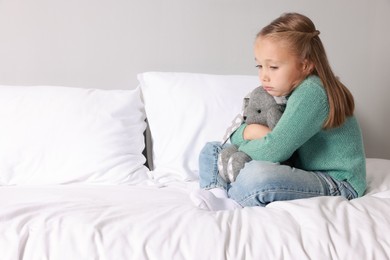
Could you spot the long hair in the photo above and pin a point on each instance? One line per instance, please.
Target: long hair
(301, 37)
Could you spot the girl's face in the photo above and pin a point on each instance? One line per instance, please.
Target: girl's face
(280, 71)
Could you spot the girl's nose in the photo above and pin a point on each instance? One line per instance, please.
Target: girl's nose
(263, 76)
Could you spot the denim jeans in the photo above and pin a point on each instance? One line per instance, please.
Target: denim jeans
(261, 182)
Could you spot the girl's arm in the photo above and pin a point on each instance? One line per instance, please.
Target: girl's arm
(255, 131)
(306, 111)
(247, 133)
(237, 138)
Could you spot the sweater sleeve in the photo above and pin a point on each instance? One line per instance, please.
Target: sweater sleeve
(237, 137)
(306, 111)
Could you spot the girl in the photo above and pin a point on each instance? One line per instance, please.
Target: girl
(318, 123)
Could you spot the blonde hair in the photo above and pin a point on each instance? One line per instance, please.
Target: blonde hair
(301, 37)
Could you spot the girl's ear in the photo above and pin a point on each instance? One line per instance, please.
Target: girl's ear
(308, 66)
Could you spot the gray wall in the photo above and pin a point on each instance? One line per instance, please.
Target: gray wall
(105, 43)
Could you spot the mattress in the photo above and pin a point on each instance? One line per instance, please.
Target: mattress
(158, 221)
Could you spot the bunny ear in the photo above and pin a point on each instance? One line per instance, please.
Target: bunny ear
(245, 103)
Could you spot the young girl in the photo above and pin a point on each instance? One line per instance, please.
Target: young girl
(318, 123)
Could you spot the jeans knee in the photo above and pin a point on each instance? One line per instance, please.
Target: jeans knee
(211, 148)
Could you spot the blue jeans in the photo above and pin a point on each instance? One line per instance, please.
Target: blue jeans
(260, 182)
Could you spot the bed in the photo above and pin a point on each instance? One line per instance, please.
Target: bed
(76, 181)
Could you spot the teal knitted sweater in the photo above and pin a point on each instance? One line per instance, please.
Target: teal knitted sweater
(337, 151)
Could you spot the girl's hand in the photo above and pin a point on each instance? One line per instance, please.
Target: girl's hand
(255, 131)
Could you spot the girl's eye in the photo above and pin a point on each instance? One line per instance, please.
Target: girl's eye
(259, 66)
(273, 67)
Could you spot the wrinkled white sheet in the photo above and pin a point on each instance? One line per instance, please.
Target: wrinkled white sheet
(154, 222)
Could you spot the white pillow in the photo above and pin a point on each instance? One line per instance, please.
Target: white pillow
(378, 175)
(186, 110)
(59, 135)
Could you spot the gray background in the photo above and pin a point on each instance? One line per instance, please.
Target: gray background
(105, 43)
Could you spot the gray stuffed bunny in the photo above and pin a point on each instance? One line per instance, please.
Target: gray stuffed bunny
(260, 108)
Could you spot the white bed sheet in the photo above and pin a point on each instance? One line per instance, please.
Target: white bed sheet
(154, 222)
